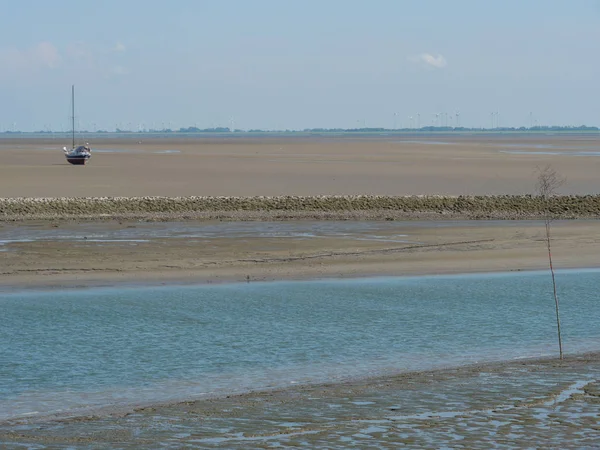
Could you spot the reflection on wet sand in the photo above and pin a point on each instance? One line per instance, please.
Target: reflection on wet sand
(524, 404)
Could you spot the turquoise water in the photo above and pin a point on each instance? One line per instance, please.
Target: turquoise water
(64, 352)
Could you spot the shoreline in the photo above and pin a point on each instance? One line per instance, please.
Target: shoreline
(353, 383)
(192, 280)
(461, 369)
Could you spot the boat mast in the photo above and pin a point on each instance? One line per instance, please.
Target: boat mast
(73, 112)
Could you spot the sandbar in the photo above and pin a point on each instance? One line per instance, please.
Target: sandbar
(370, 249)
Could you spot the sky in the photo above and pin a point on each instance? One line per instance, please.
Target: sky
(295, 64)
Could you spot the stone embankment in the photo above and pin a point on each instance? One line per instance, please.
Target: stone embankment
(366, 207)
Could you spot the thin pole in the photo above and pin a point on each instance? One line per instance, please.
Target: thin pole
(560, 349)
(73, 112)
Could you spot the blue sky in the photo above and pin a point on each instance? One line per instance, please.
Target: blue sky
(297, 64)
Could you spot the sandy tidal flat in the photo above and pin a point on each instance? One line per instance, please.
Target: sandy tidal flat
(67, 253)
(451, 164)
(522, 404)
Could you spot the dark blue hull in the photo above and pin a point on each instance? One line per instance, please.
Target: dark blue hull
(78, 160)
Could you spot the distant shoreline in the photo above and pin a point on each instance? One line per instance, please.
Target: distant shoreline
(369, 131)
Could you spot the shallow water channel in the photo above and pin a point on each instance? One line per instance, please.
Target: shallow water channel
(109, 351)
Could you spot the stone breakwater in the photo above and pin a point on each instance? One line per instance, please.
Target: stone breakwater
(366, 207)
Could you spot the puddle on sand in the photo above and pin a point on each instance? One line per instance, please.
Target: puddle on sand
(550, 153)
(373, 231)
(424, 142)
(5, 242)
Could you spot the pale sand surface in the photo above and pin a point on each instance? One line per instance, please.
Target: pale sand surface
(278, 165)
(382, 248)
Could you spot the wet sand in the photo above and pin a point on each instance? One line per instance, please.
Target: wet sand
(263, 253)
(302, 165)
(544, 403)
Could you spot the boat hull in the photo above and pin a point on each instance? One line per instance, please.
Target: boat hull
(78, 160)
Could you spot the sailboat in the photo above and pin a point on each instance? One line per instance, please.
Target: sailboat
(82, 153)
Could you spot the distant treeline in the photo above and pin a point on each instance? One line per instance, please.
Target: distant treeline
(459, 129)
(429, 129)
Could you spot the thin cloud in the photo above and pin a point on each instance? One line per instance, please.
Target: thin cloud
(78, 50)
(80, 53)
(119, 47)
(439, 62)
(46, 54)
(119, 70)
(42, 55)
